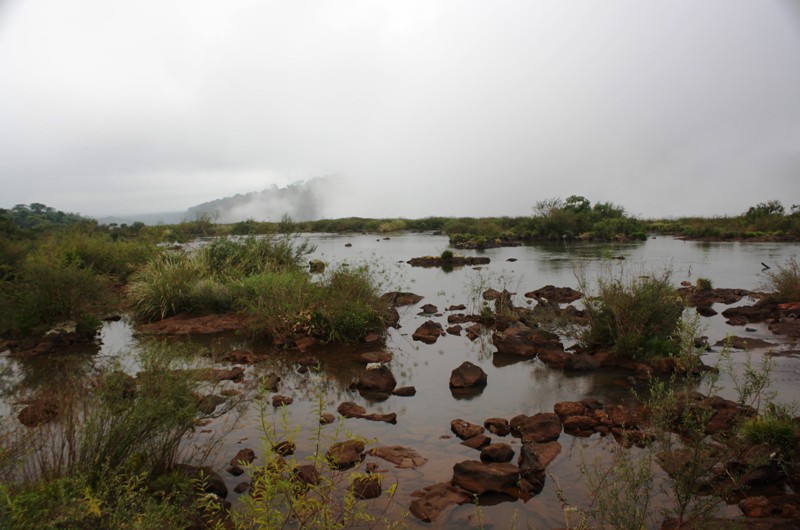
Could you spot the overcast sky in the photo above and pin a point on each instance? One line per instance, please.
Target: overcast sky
(455, 107)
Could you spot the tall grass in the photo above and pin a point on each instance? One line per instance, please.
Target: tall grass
(163, 286)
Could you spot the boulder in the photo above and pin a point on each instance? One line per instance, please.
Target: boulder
(559, 295)
(539, 428)
(243, 457)
(378, 379)
(533, 461)
(467, 375)
(497, 452)
(477, 442)
(401, 457)
(464, 429)
(429, 332)
(479, 478)
(366, 487)
(429, 309)
(498, 426)
(431, 501)
(344, 455)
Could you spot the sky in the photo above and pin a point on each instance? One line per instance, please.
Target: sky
(418, 108)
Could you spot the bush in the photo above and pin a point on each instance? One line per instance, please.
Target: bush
(785, 282)
(447, 255)
(775, 428)
(50, 290)
(637, 317)
(703, 284)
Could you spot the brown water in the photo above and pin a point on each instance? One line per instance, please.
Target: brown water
(514, 386)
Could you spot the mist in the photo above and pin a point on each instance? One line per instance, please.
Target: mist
(458, 107)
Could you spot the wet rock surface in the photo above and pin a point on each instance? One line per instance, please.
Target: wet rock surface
(467, 375)
(429, 332)
(379, 379)
(401, 457)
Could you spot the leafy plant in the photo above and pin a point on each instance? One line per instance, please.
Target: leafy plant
(785, 282)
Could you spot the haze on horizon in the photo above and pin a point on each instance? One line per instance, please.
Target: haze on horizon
(458, 107)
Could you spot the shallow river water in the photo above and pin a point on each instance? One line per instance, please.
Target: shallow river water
(514, 386)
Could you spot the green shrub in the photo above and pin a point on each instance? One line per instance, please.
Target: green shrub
(636, 317)
(703, 284)
(279, 301)
(210, 296)
(775, 428)
(447, 255)
(50, 290)
(785, 282)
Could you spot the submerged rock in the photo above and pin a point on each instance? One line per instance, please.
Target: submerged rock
(344, 455)
(401, 457)
(431, 501)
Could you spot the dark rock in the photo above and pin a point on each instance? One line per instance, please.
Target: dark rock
(476, 442)
(479, 478)
(577, 425)
(350, 409)
(280, 401)
(206, 476)
(327, 418)
(405, 391)
(397, 298)
(743, 343)
(308, 474)
(497, 452)
(344, 455)
(244, 456)
(208, 404)
(706, 311)
(284, 448)
(454, 330)
(38, 412)
(526, 342)
(429, 332)
(429, 309)
(235, 470)
(533, 461)
(473, 332)
(553, 358)
(467, 375)
(786, 326)
(455, 261)
(565, 409)
(540, 428)
(375, 357)
(240, 357)
(378, 379)
(270, 382)
(581, 363)
(316, 266)
(560, 295)
(431, 501)
(401, 457)
(464, 429)
(459, 307)
(242, 487)
(752, 313)
(366, 487)
(498, 426)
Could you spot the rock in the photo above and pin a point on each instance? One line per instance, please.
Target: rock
(242, 487)
(780, 506)
(467, 375)
(752, 313)
(397, 298)
(308, 474)
(284, 448)
(476, 442)
(375, 357)
(786, 326)
(431, 501)
(206, 476)
(429, 332)
(405, 391)
(580, 425)
(429, 309)
(540, 428)
(581, 363)
(459, 307)
(38, 412)
(327, 418)
(464, 429)
(366, 487)
(559, 295)
(349, 409)
(743, 343)
(401, 457)
(526, 342)
(270, 383)
(494, 294)
(243, 457)
(378, 379)
(497, 452)
(455, 261)
(454, 330)
(240, 357)
(533, 461)
(344, 455)
(498, 426)
(184, 324)
(565, 409)
(479, 478)
(208, 404)
(473, 332)
(280, 401)
(706, 311)
(553, 358)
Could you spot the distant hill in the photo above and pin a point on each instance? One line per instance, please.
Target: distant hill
(166, 218)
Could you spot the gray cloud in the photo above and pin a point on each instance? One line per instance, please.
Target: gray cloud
(448, 108)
